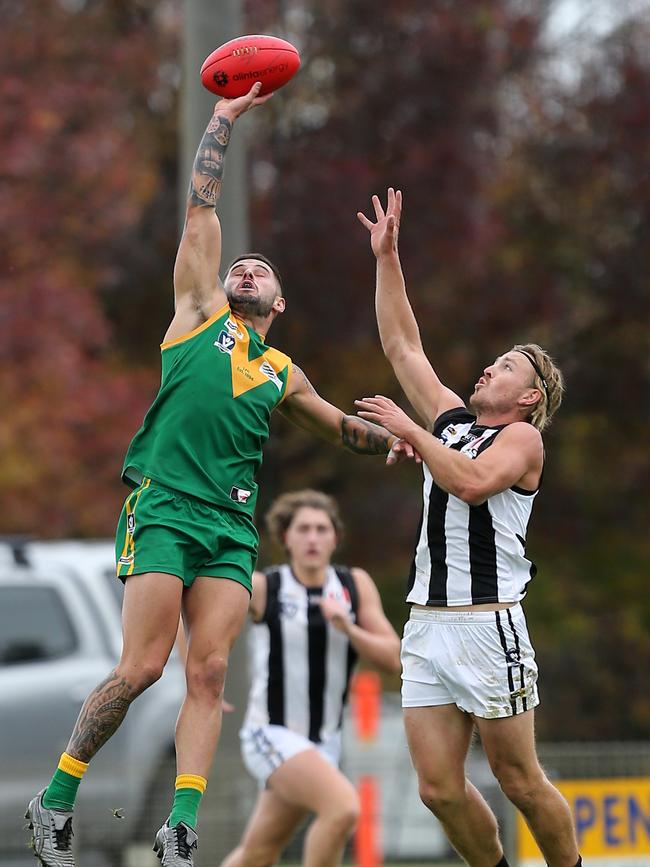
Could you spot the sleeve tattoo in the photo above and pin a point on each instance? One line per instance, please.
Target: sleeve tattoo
(207, 172)
(363, 437)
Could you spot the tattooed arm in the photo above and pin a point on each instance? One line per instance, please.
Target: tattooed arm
(198, 292)
(306, 408)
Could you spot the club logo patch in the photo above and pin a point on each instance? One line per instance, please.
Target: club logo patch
(513, 656)
(225, 342)
(240, 495)
(130, 523)
(232, 326)
(270, 373)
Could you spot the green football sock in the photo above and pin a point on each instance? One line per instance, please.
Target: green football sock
(187, 798)
(62, 791)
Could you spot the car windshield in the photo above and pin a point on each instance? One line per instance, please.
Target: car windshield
(34, 625)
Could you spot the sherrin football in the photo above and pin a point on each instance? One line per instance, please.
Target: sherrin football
(233, 69)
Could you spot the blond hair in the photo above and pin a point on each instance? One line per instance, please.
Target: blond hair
(283, 510)
(550, 384)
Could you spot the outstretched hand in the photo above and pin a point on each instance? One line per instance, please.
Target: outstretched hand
(401, 451)
(384, 233)
(234, 107)
(384, 411)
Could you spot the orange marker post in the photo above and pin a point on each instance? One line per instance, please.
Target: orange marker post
(366, 705)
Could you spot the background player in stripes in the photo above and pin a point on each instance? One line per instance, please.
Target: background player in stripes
(466, 655)
(311, 622)
(188, 520)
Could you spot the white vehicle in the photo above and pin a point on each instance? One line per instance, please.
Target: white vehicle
(60, 635)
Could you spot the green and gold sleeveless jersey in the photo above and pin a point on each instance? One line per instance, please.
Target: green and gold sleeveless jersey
(204, 432)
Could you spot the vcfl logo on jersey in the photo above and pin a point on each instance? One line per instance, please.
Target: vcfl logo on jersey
(288, 605)
(270, 373)
(225, 342)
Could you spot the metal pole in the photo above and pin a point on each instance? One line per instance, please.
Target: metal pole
(208, 24)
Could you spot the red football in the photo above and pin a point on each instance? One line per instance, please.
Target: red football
(234, 68)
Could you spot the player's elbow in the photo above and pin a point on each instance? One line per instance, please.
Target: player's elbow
(392, 664)
(395, 664)
(472, 493)
(392, 347)
(398, 350)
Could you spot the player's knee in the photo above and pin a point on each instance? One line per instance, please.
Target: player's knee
(206, 677)
(142, 673)
(343, 815)
(344, 821)
(439, 797)
(350, 816)
(521, 788)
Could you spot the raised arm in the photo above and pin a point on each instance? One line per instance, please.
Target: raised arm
(198, 292)
(398, 328)
(306, 408)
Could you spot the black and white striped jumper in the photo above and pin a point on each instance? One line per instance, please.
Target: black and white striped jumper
(300, 664)
(467, 555)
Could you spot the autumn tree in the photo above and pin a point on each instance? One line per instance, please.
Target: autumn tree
(88, 131)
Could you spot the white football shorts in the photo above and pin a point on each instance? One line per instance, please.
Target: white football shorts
(265, 748)
(481, 661)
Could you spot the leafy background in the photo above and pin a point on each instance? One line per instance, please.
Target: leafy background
(524, 165)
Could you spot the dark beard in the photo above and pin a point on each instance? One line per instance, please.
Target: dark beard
(249, 307)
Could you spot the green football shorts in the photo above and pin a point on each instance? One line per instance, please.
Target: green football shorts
(161, 530)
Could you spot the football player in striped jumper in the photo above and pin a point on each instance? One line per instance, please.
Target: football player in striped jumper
(186, 537)
(311, 621)
(466, 655)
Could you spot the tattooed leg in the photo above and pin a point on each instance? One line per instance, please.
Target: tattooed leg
(101, 715)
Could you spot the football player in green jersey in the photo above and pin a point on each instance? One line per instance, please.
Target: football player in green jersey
(192, 467)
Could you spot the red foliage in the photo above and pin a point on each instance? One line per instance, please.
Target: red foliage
(75, 89)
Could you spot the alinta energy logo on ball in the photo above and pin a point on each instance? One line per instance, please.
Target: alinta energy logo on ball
(220, 78)
(259, 73)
